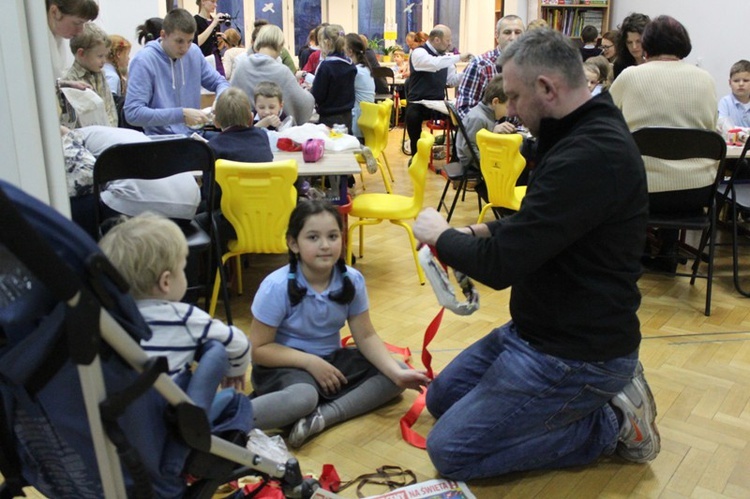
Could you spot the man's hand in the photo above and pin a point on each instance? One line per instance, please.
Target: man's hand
(429, 225)
(194, 117)
(466, 57)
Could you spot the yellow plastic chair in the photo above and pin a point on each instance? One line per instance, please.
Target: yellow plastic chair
(374, 123)
(371, 209)
(257, 199)
(386, 109)
(502, 163)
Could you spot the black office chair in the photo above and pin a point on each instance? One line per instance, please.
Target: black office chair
(736, 194)
(160, 159)
(454, 171)
(685, 143)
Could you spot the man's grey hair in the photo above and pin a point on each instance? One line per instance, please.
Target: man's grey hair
(542, 51)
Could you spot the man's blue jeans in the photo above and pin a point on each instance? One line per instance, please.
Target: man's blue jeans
(502, 406)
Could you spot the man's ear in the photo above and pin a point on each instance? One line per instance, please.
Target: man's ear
(546, 86)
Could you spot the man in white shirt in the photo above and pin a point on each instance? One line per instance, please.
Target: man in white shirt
(431, 71)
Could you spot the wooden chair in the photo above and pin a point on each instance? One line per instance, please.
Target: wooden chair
(373, 208)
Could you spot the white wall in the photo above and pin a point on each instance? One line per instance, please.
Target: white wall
(718, 30)
(122, 18)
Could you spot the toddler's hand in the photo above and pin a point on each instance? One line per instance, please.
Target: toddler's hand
(328, 377)
(236, 382)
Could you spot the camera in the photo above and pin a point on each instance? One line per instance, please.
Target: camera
(226, 19)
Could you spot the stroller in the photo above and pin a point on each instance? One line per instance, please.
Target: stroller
(84, 412)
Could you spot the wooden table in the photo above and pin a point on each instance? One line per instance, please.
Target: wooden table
(332, 163)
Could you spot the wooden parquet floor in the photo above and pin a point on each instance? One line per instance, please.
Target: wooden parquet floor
(698, 368)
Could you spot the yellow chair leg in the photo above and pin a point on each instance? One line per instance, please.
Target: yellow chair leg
(388, 166)
(483, 212)
(385, 179)
(413, 243)
(215, 294)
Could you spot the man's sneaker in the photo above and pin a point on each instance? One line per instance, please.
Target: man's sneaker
(306, 427)
(639, 439)
(372, 164)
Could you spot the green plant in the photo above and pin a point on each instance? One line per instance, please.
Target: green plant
(375, 44)
(390, 50)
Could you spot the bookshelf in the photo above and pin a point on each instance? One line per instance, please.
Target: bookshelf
(570, 16)
(498, 10)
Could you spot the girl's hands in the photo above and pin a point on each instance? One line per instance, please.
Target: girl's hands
(328, 377)
(411, 379)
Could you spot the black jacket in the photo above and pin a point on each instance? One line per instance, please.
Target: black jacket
(572, 252)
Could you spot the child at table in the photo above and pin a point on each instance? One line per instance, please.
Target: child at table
(489, 114)
(402, 63)
(333, 86)
(150, 252)
(90, 49)
(239, 140)
(269, 107)
(734, 108)
(593, 78)
(301, 375)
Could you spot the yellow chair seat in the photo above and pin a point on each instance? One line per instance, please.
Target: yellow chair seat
(388, 206)
(371, 209)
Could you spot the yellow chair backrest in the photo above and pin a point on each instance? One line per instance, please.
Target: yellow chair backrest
(257, 199)
(502, 163)
(374, 126)
(384, 124)
(418, 169)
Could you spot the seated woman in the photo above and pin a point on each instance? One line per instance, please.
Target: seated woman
(629, 44)
(262, 65)
(665, 91)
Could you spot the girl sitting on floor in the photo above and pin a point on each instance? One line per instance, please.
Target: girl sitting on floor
(301, 375)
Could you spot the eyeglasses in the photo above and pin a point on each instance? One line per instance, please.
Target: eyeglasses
(606, 47)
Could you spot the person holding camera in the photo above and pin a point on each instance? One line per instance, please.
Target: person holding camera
(207, 35)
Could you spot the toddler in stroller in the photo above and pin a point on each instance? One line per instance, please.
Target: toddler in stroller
(84, 412)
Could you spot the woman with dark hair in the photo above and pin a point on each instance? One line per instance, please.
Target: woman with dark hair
(629, 46)
(149, 30)
(665, 91)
